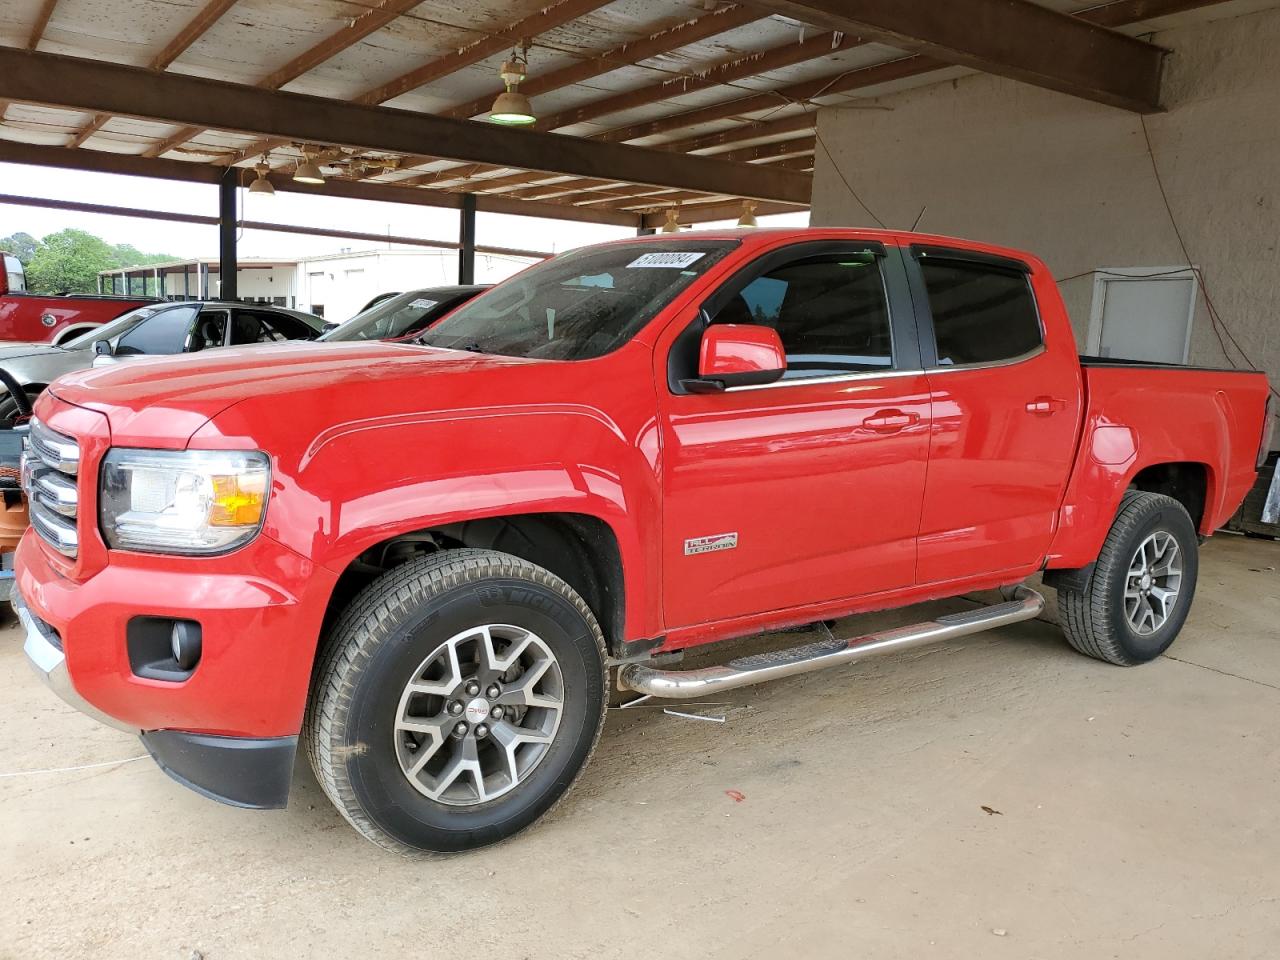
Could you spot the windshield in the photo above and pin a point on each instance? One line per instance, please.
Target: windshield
(121, 324)
(579, 305)
(400, 315)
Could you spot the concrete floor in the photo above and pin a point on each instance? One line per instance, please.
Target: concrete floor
(1132, 813)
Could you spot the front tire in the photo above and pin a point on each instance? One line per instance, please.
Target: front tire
(1140, 593)
(458, 701)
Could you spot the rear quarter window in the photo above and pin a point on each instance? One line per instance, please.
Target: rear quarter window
(981, 313)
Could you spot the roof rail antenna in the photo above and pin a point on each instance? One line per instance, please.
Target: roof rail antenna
(919, 217)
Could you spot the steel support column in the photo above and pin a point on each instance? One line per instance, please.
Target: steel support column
(228, 268)
(467, 239)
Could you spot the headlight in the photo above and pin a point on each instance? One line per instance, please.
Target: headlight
(182, 501)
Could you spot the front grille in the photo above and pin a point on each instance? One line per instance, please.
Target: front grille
(49, 467)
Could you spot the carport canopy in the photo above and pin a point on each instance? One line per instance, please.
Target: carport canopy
(642, 106)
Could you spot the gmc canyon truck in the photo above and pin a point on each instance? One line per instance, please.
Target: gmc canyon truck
(426, 558)
(37, 318)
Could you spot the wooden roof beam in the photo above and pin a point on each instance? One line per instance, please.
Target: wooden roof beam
(644, 198)
(131, 165)
(797, 93)
(33, 39)
(552, 16)
(93, 85)
(572, 191)
(546, 19)
(709, 212)
(196, 27)
(355, 30)
(628, 54)
(45, 14)
(1120, 13)
(1017, 39)
(726, 72)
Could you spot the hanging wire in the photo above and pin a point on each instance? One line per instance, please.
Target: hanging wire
(1219, 325)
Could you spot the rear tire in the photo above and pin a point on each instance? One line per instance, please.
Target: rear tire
(1142, 586)
(471, 639)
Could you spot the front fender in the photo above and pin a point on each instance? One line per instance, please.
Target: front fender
(361, 481)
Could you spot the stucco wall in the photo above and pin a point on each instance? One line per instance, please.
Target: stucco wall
(997, 160)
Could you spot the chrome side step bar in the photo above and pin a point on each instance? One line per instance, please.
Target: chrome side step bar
(684, 684)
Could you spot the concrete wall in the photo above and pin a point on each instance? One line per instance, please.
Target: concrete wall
(996, 160)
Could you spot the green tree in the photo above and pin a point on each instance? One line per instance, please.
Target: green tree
(127, 255)
(21, 245)
(69, 261)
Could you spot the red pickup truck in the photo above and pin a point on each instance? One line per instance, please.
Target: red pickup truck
(426, 558)
(33, 318)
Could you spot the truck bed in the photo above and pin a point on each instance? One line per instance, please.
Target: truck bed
(1140, 415)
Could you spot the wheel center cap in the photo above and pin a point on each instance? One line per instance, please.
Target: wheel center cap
(477, 710)
(1145, 583)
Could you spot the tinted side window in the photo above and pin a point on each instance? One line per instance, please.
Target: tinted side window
(267, 328)
(285, 327)
(981, 314)
(163, 332)
(830, 311)
(210, 331)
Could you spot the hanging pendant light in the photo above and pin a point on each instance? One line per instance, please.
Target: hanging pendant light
(307, 171)
(262, 185)
(748, 218)
(672, 224)
(512, 107)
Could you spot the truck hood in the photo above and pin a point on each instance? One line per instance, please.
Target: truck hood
(164, 400)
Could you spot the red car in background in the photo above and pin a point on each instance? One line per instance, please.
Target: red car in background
(35, 318)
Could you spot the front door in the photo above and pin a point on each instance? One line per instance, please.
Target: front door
(808, 489)
(1005, 411)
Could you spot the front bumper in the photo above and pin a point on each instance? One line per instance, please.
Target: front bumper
(230, 729)
(43, 648)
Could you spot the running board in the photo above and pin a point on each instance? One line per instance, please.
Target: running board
(684, 684)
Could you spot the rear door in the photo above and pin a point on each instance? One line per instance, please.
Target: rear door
(808, 489)
(1004, 409)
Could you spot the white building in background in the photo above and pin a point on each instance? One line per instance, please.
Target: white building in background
(334, 286)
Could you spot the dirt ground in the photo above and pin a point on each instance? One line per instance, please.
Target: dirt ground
(998, 797)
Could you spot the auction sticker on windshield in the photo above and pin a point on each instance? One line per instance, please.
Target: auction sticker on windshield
(674, 260)
(422, 304)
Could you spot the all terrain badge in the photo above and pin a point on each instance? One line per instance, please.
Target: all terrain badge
(717, 541)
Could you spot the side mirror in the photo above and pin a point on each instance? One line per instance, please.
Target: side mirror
(103, 353)
(737, 355)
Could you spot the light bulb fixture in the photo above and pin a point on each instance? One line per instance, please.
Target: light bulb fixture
(307, 171)
(512, 107)
(672, 224)
(262, 185)
(748, 218)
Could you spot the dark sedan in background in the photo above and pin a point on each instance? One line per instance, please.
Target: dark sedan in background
(403, 314)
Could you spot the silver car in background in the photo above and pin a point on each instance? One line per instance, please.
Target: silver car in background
(154, 330)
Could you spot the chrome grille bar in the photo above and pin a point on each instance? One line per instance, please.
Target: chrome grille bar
(49, 467)
(56, 490)
(61, 453)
